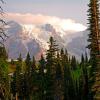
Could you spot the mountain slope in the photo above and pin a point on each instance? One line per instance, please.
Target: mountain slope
(33, 39)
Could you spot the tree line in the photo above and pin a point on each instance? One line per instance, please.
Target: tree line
(56, 76)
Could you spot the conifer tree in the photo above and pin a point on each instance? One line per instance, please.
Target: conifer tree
(94, 39)
(33, 63)
(28, 74)
(15, 82)
(28, 63)
(4, 80)
(18, 79)
(20, 62)
(42, 65)
(59, 79)
(73, 63)
(69, 91)
(51, 68)
(85, 85)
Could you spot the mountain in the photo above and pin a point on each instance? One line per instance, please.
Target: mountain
(78, 45)
(33, 39)
(18, 42)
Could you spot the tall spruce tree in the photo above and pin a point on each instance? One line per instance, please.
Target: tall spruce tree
(59, 79)
(69, 91)
(73, 63)
(28, 63)
(84, 81)
(94, 39)
(18, 80)
(42, 65)
(33, 64)
(51, 68)
(28, 76)
(20, 61)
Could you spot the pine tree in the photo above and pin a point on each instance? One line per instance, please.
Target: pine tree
(33, 64)
(20, 61)
(69, 91)
(18, 72)
(59, 79)
(42, 66)
(51, 68)
(94, 39)
(28, 76)
(73, 63)
(4, 80)
(28, 63)
(85, 85)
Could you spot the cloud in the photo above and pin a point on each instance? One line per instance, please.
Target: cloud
(36, 19)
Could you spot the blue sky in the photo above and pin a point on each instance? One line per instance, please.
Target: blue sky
(73, 9)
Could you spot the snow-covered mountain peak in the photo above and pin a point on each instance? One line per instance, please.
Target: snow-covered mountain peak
(34, 38)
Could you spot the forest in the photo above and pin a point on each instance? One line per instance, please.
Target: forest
(57, 75)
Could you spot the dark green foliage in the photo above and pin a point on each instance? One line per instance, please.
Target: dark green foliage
(3, 53)
(42, 80)
(4, 80)
(33, 63)
(54, 77)
(28, 63)
(58, 68)
(73, 63)
(84, 66)
(94, 40)
(51, 68)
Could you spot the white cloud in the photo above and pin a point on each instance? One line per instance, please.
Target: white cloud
(36, 19)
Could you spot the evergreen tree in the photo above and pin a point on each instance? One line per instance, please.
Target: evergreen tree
(69, 91)
(13, 85)
(28, 63)
(59, 80)
(94, 39)
(85, 85)
(4, 81)
(33, 64)
(51, 68)
(42, 66)
(28, 75)
(18, 80)
(73, 63)
(20, 62)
